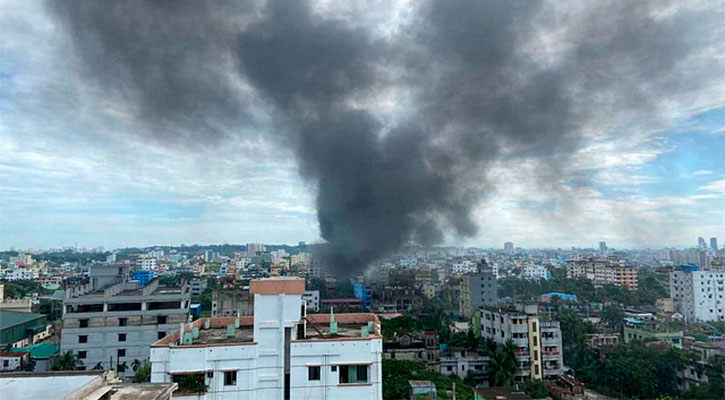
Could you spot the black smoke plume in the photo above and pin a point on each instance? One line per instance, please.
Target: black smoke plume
(471, 82)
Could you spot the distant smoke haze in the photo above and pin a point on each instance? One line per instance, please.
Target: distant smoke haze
(395, 128)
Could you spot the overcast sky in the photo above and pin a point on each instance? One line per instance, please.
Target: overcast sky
(73, 168)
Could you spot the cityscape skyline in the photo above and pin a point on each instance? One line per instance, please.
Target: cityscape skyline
(602, 247)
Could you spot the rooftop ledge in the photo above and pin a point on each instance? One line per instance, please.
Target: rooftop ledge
(318, 330)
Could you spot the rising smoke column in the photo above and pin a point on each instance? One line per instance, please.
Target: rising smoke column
(472, 82)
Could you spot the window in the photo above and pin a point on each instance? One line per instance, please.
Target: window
(84, 323)
(313, 373)
(362, 373)
(230, 378)
(333, 368)
(82, 355)
(121, 353)
(160, 335)
(450, 368)
(161, 319)
(354, 373)
(122, 321)
(121, 337)
(83, 339)
(6, 363)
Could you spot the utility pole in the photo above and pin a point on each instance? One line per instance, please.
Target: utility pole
(454, 391)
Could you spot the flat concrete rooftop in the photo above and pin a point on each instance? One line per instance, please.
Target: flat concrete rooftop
(318, 328)
(136, 292)
(219, 335)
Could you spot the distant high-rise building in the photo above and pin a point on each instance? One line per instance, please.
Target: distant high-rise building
(603, 247)
(701, 243)
(254, 248)
(477, 290)
(508, 247)
(696, 292)
(713, 243)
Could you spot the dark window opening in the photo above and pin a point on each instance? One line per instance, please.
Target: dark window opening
(121, 353)
(122, 321)
(190, 383)
(164, 305)
(121, 337)
(230, 378)
(83, 308)
(160, 335)
(84, 323)
(124, 307)
(82, 355)
(83, 339)
(313, 373)
(353, 374)
(161, 319)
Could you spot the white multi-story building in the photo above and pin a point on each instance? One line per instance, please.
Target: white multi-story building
(312, 299)
(111, 321)
(147, 263)
(279, 353)
(535, 272)
(17, 274)
(464, 267)
(699, 295)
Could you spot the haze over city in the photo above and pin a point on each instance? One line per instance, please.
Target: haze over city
(96, 154)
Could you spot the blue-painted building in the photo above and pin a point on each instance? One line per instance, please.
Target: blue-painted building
(144, 277)
(365, 293)
(562, 296)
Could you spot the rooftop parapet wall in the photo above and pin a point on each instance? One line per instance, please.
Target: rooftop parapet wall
(277, 286)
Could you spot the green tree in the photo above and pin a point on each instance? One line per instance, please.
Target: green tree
(402, 324)
(190, 383)
(574, 328)
(142, 371)
(536, 389)
(67, 361)
(397, 373)
(503, 365)
(636, 371)
(612, 316)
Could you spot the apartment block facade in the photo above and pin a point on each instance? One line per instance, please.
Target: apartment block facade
(477, 290)
(538, 341)
(699, 295)
(602, 272)
(280, 352)
(111, 320)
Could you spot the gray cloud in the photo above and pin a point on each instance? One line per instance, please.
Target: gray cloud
(482, 81)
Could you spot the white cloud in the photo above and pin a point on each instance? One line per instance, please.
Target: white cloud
(715, 186)
(702, 172)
